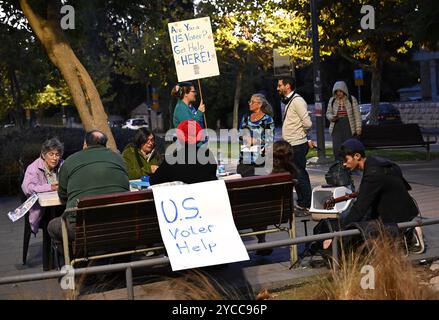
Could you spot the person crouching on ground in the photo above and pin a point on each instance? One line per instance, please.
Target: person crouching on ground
(383, 193)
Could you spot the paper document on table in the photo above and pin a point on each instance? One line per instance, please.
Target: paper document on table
(48, 199)
(23, 209)
(231, 176)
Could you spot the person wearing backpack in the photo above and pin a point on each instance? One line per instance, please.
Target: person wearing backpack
(344, 115)
(296, 124)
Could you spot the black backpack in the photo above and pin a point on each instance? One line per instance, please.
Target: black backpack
(338, 176)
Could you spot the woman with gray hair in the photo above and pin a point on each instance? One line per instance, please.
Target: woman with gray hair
(256, 134)
(42, 176)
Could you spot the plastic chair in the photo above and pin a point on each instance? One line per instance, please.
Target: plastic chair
(47, 257)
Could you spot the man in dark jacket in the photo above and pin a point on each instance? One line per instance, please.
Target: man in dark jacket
(383, 192)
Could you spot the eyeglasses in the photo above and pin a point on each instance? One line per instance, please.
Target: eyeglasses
(149, 141)
(53, 155)
(252, 101)
(193, 91)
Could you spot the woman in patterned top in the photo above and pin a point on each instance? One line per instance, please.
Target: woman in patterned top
(256, 135)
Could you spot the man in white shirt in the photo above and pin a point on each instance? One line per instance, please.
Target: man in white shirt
(296, 123)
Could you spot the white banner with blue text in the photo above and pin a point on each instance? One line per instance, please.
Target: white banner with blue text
(197, 225)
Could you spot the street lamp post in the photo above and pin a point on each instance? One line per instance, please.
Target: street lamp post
(319, 110)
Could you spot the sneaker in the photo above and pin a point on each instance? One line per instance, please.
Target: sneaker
(149, 253)
(297, 207)
(301, 211)
(301, 214)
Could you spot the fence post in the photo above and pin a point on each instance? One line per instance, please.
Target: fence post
(292, 232)
(129, 280)
(335, 252)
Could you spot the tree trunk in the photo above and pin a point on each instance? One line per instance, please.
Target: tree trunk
(375, 91)
(237, 97)
(84, 93)
(17, 110)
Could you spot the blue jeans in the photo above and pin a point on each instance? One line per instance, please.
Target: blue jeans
(303, 187)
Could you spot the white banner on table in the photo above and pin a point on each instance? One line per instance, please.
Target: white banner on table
(193, 49)
(197, 225)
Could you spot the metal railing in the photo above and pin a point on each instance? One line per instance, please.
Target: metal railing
(128, 267)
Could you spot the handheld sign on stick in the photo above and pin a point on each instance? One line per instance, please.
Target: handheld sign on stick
(194, 50)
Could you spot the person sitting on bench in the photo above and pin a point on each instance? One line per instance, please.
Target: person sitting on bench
(92, 171)
(191, 162)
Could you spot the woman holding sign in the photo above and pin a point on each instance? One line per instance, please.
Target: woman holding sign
(184, 110)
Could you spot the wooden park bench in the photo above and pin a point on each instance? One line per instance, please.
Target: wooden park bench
(394, 136)
(126, 223)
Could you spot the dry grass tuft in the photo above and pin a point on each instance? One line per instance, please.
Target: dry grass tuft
(196, 285)
(387, 275)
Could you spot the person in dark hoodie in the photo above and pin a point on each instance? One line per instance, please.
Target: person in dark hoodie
(191, 162)
(344, 115)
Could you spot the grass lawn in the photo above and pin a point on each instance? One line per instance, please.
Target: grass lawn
(231, 150)
(392, 154)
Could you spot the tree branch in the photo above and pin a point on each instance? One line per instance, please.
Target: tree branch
(53, 10)
(354, 61)
(36, 21)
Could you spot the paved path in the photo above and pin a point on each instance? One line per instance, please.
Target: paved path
(260, 272)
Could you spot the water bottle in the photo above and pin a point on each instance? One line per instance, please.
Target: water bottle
(221, 165)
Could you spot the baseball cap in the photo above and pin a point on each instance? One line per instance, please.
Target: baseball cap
(354, 145)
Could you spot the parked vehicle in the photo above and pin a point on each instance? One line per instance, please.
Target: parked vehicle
(9, 125)
(364, 110)
(135, 124)
(115, 123)
(387, 114)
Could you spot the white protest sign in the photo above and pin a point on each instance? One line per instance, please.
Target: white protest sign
(193, 49)
(197, 226)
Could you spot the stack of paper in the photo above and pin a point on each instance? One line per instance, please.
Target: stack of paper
(48, 199)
